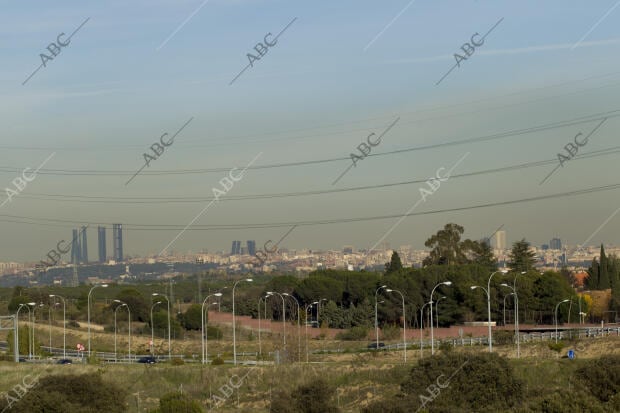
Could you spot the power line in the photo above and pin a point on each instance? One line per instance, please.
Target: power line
(477, 139)
(212, 227)
(228, 198)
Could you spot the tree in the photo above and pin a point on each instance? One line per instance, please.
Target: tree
(604, 281)
(140, 310)
(446, 247)
(481, 253)
(521, 258)
(192, 318)
(394, 264)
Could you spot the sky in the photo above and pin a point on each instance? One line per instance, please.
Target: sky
(544, 76)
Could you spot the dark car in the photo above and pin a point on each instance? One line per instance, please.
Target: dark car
(374, 345)
(64, 361)
(147, 360)
(22, 360)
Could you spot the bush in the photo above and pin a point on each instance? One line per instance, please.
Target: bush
(72, 393)
(177, 402)
(218, 361)
(602, 377)
(473, 383)
(504, 337)
(314, 397)
(557, 347)
(353, 334)
(176, 361)
(214, 333)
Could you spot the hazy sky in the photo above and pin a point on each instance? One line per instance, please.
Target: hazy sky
(341, 71)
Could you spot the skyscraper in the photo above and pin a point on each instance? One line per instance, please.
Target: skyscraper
(76, 250)
(555, 244)
(117, 238)
(102, 245)
(251, 247)
(500, 240)
(236, 248)
(84, 246)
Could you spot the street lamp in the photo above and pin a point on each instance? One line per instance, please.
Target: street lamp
(202, 326)
(376, 318)
(404, 322)
(306, 316)
(233, 317)
(88, 305)
(117, 307)
(556, 318)
(431, 309)
(260, 348)
(473, 287)
(514, 287)
(17, 323)
(298, 325)
(168, 302)
(437, 310)
(422, 327)
(283, 315)
(152, 335)
(64, 326)
(129, 317)
(34, 307)
(506, 296)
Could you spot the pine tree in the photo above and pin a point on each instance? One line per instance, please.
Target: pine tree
(521, 258)
(394, 264)
(604, 281)
(593, 275)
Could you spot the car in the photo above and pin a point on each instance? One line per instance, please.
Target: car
(64, 361)
(147, 360)
(22, 360)
(374, 345)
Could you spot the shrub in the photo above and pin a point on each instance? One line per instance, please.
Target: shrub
(72, 393)
(218, 361)
(214, 333)
(176, 402)
(602, 377)
(557, 347)
(176, 361)
(314, 397)
(503, 337)
(474, 382)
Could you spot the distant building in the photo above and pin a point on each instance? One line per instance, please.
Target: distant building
(236, 248)
(102, 244)
(347, 249)
(251, 247)
(76, 250)
(500, 240)
(84, 245)
(545, 247)
(555, 244)
(117, 239)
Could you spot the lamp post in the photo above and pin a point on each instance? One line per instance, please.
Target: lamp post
(422, 327)
(152, 330)
(88, 305)
(431, 309)
(260, 348)
(514, 288)
(506, 296)
(437, 310)
(306, 316)
(556, 318)
(168, 302)
(202, 326)
(17, 322)
(404, 322)
(117, 307)
(298, 324)
(64, 325)
(376, 318)
(233, 317)
(34, 307)
(473, 287)
(129, 326)
(283, 314)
